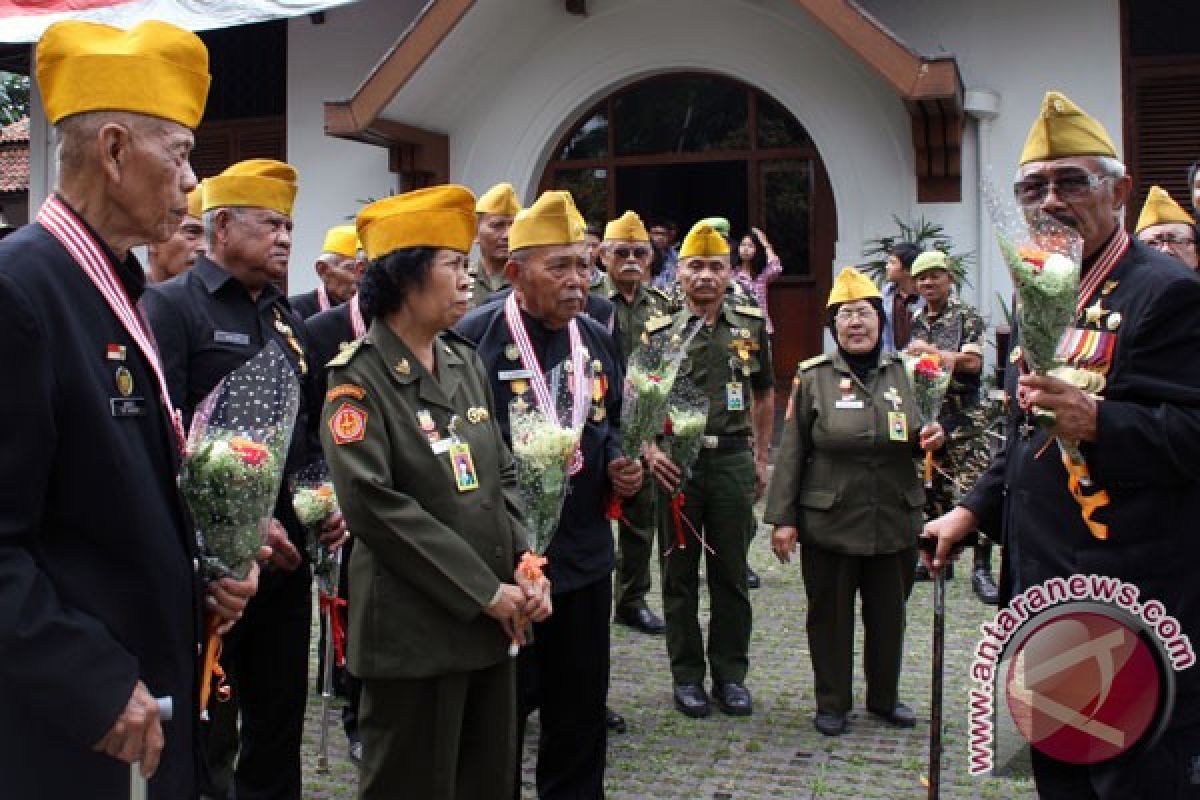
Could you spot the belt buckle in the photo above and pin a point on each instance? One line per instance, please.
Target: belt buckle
(709, 442)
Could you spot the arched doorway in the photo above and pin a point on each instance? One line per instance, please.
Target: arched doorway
(684, 146)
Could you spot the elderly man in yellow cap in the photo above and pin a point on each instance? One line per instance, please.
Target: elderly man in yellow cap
(1163, 224)
(99, 582)
(339, 269)
(729, 359)
(540, 326)
(495, 212)
(626, 253)
(178, 254)
(208, 322)
(1130, 513)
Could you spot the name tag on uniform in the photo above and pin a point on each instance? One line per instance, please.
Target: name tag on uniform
(230, 337)
(897, 426)
(852, 404)
(128, 406)
(514, 374)
(735, 398)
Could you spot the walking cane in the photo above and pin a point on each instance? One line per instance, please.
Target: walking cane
(137, 783)
(327, 666)
(939, 651)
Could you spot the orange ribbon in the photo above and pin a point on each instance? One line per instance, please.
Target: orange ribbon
(329, 605)
(1077, 476)
(530, 568)
(212, 670)
(928, 469)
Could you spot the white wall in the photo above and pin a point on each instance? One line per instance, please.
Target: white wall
(326, 63)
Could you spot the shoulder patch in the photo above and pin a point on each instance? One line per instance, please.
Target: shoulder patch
(345, 390)
(749, 311)
(656, 324)
(345, 354)
(808, 364)
(348, 424)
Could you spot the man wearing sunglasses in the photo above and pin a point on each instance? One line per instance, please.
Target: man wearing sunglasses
(1165, 226)
(626, 254)
(1134, 344)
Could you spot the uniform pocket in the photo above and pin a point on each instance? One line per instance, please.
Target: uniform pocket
(819, 499)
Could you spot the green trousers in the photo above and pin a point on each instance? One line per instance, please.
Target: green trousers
(718, 499)
(449, 737)
(831, 581)
(635, 546)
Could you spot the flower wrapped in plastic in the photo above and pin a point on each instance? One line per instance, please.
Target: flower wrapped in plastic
(233, 467)
(313, 500)
(649, 377)
(545, 446)
(687, 418)
(930, 380)
(1044, 258)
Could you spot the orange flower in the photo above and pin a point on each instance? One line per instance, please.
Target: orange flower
(1033, 256)
(252, 453)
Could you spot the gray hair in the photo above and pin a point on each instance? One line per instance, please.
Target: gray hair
(74, 133)
(210, 223)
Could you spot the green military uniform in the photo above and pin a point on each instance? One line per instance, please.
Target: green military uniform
(844, 477)
(635, 532)
(728, 361)
(436, 535)
(484, 284)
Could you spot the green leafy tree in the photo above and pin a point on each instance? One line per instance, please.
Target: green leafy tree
(924, 234)
(14, 97)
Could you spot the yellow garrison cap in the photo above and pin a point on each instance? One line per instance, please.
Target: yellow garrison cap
(257, 183)
(852, 285)
(553, 219)
(196, 201)
(627, 227)
(439, 216)
(930, 259)
(500, 199)
(153, 68)
(1160, 209)
(342, 240)
(703, 240)
(1063, 129)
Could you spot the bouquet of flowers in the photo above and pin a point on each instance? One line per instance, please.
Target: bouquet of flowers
(545, 446)
(930, 379)
(233, 467)
(313, 500)
(687, 417)
(649, 377)
(1044, 258)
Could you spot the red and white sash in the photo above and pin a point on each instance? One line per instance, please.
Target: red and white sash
(581, 397)
(322, 298)
(79, 243)
(357, 324)
(1113, 252)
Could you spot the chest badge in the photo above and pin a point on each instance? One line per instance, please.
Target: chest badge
(893, 397)
(124, 379)
(115, 352)
(512, 353)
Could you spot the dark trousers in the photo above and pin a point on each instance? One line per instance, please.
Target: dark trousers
(1168, 770)
(564, 673)
(719, 499)
(831, 581)
(447, 737)
(635, 547)
(265, 657)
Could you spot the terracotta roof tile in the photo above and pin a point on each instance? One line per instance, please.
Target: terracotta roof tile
(14, 157)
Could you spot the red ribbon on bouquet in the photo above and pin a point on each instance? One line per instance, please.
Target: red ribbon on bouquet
(329, 604)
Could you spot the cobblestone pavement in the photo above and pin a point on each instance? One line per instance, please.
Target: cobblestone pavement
(776, 753)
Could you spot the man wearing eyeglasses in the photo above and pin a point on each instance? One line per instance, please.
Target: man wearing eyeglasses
(1165, 226)
(1135, 339)
(626, 254)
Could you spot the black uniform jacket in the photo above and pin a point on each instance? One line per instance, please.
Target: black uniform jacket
(581, 551)
(1146, 456)
(307, 304)
(207, 326)
(328, 332)
(98, 586)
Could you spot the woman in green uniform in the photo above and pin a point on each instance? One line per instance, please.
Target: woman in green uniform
(429, 490)
(846, 489)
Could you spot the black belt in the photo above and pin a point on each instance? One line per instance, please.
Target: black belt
(734, 442)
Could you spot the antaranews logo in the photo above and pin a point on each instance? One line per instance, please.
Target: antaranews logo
(1080, 668)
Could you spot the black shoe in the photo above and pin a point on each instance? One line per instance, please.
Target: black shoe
(733, 699)
(829, 723)
(642, 619)
(752, 579)
(614, 721)
(985, 587)
(691, 700)
(901, 716)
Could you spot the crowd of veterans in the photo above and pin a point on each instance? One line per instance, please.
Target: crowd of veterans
(412, 361)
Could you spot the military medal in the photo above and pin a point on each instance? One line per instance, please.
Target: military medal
(893, 397)
(425, 421)
(1114, 321)
(1095, 313)
(897, 426)
(518, 387)
(402, 367)
(477, 415)
(734, 397)
(293, 342)
(511, 352)
(115, 352)
(1108, 287)
(124, 380)
(465, 478)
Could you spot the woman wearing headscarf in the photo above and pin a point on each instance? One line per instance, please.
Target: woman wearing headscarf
(429, 490)
(845, 488)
